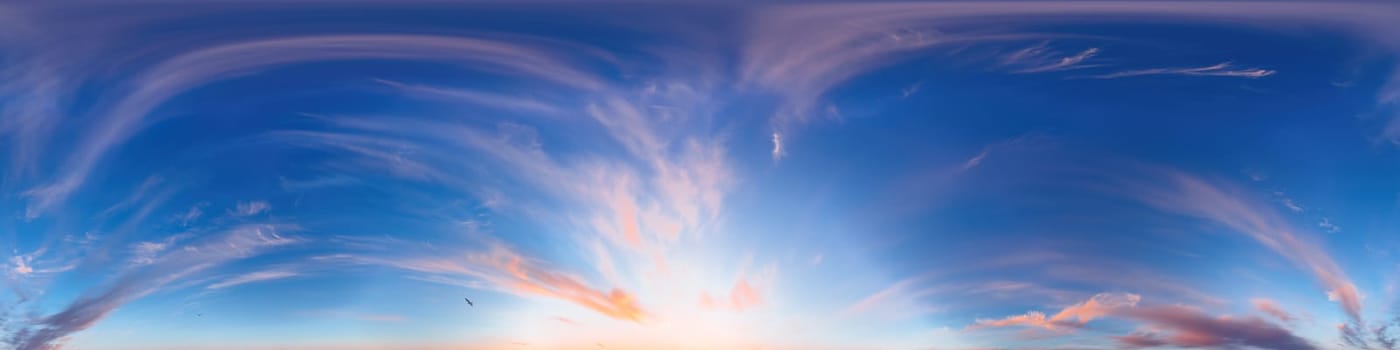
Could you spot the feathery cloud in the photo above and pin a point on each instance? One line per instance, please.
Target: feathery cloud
(1169, 325)
(1041, 59)
(504, 269)
(133, 283)
(1223, 69)
(252, 277)
(1191, 328)
(189, 70)
(251, 208)
(1177, 192)
(1269, 307)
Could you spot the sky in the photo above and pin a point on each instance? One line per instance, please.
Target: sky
(699, 175)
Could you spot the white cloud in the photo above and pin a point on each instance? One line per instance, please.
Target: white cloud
(252, 277)
(1040, 59)
(1223, 69)
(778, 151)
(910, 90)
(1326, 224)
(21, 265)
(975, 160)
(1288, 203)
(191, 215)
(251, 208)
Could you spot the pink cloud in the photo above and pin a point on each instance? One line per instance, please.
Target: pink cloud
(517, 274)
(1269, 307)
(1181, 193)
(1171, 325)
(1073, 316)
(1191, 328)
(741, 297)
(502, 268)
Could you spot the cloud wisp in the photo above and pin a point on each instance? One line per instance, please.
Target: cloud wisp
(1177, 192)
(49, 332)
(167, 79)
(1223, 69)
(1168, 325)
(252, 277)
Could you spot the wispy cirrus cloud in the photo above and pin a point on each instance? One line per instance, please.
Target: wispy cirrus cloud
(49, 332)
(634, 209)
(257, 276)
(1271, 308)
(1177, 192)
(508, 269)
(1223, 69)
(504, 269)
(643, 207)
(251, 208)
(804, 50)
(162, 81)
(24, 265)
(1168, 325)
(1041, 59)
(510, 102)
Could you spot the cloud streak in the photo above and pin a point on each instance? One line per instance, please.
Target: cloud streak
(1074, 316)
(189, 70)
(1269, 307)
(502, 268)
(1223, 69)
(1178, 192)
(251, 208)
(803, 50)
(1190, 328)
(1040, 59)
(1168, 325)
(253, 277)
(48, 332)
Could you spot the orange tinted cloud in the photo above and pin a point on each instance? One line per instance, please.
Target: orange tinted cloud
(507, 270)
(1029, 319)
(514, 273)
(1100, 305)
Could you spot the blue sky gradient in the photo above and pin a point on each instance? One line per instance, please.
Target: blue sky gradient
(686, 175)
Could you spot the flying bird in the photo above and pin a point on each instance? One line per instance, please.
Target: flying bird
(469, 302)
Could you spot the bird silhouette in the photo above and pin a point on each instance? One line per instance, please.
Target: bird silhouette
(469, 302)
